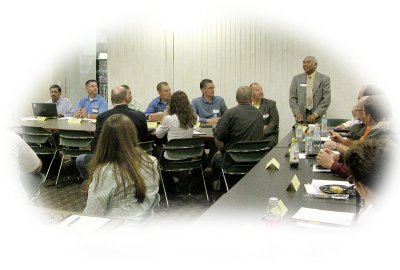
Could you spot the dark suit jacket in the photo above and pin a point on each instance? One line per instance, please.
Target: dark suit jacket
(138, 118)
(271, 120)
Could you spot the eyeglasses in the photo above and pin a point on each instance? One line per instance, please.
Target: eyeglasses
(350, 179)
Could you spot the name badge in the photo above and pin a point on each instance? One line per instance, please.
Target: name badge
(265, 116)
(95, 110)
(215, 111)
(303, 84)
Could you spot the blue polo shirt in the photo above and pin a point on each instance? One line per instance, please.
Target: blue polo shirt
(205, 110)
(156, 105)
(95, 106)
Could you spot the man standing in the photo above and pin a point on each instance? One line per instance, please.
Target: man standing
(120, 97)
(310, 93)
(64, 107)
(157, 106)
(269, 112)
(91, 105)
(208, 107)
(241, 123)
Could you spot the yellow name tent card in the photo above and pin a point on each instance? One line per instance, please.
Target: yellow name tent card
(283, 208)
(273, 164)
(41, 118)
(294, 184)
(197, 125)
(151, 124)
(73, 120)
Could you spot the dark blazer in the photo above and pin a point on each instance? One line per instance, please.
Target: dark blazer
(138, 118)
(271, 120)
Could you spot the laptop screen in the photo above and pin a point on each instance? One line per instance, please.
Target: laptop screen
(45, 109)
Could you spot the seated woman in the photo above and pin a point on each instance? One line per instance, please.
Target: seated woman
(178, 123)
(123, 179)
(180, 119)
(367, 161)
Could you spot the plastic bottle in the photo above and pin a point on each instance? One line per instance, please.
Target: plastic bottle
(324, 126)
(317, 136)
(273, 215)
(294, 154)
(214, 125)
(308, 143)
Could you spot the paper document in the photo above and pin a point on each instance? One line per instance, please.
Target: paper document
(324, 216)
(30, 118)
(196, 132)
(83, 224)
(318, 168)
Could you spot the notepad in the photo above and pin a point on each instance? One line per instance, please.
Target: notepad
(324, 216)
(83, 224)
(152, 125)
(196, 132)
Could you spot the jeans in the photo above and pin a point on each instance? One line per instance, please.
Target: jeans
(82, 164)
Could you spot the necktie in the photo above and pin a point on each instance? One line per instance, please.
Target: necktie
(309, 95)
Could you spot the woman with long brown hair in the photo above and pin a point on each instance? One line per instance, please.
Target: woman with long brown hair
(123, 179)
(180, 119)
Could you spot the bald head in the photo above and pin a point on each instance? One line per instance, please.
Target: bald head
(243, 95)
(119, 95)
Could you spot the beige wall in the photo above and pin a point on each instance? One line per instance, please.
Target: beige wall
(230, 49)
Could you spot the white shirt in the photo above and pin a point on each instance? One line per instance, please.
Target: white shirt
(171, 126)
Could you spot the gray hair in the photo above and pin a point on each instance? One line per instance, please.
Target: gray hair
(243, 94)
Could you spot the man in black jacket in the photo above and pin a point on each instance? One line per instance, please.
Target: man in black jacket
(120, 97)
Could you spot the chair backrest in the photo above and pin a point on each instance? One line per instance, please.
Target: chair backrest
(75, 143)
(36, 135)
(147, 146)
(251, 151)
(178, 149)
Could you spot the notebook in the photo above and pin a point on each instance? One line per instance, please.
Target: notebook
(45, 110)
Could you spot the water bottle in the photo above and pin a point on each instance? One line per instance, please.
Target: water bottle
(294, 154)
(273, 215)
(214, 124)
(324, 126)
(308, 143)
(317, 136)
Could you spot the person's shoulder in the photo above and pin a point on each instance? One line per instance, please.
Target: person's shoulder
(219, 98)
(323, 76)
(196, 99)
(269, 101)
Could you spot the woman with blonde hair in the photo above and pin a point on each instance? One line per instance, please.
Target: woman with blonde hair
(123, 179)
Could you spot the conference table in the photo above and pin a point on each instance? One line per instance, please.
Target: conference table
(246, 201)
(90, 126)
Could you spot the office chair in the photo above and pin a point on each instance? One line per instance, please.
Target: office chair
(241, 157)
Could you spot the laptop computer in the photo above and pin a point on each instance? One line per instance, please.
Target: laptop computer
(48, 110)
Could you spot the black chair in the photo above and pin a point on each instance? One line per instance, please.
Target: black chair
(147, 147)
(74, 143)
(42, 143)
(183, 155)
(242, 156)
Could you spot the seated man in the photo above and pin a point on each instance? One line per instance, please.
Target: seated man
(64, 107)
(377, 112)
(241, 123)
(368, 162)
(208, 107)
(120, 97)
(91, 105)
(25, 162)
(269, 112)
(157, 106)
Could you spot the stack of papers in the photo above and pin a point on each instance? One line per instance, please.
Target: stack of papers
(83, 224)
(196, 132)
(323, 216)
(318, 168)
